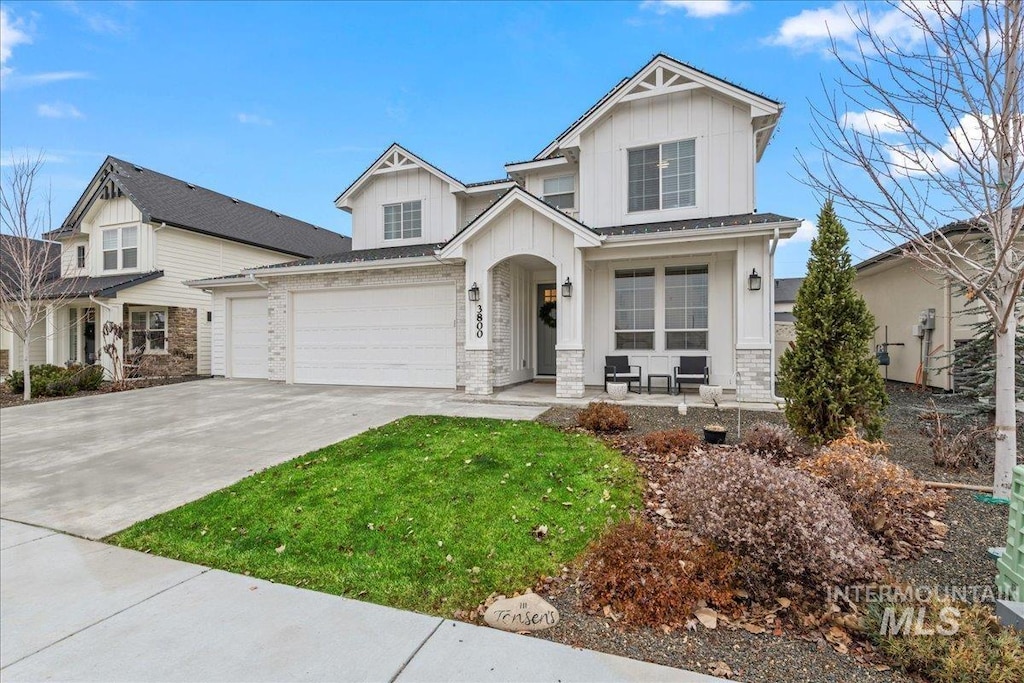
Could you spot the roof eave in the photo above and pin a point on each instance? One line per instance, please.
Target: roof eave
(786, 229)
(278, 271)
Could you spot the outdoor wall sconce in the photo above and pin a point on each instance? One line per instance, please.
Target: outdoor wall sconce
(567, 288)
(754, 281)
(474, 293)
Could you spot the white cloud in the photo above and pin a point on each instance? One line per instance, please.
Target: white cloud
(98, 22)
(59, 110)
(253, 120)
(698, 9)
(812, 29)
(12, 34)
(805, 233)
(872, 122)
(9, 156)
(966, 142)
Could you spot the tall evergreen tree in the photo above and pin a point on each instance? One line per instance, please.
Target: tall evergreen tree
(830, 376)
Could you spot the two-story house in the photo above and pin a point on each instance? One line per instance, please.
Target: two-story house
(634, 232)
(127, 247)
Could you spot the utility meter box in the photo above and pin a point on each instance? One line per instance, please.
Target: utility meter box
(917, 330)
(928, 319)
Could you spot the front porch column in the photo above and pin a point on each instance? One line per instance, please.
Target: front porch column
(113, 314)
(569, 352)
(569, 373)
(51, 335)
(479, 371)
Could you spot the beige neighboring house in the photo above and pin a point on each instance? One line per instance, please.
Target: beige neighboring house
(917, 313)
(785, 327)
(127, 247)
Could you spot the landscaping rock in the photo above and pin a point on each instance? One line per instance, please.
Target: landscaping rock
(528, 612)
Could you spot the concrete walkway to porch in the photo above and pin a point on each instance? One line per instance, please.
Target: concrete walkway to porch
(542, 393)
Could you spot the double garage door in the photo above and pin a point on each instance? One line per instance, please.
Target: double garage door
(380, 336)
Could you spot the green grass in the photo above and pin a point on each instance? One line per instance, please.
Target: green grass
(425, 513)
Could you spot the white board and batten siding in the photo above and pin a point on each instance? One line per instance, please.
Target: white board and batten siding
(375, 336)
(439, 210)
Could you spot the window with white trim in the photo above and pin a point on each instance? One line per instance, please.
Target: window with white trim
(148, 330)
(80, 255)
(403, 221)
(663, 176)
(121, 248)
(634, 309)
(560, 191)
(686, 308)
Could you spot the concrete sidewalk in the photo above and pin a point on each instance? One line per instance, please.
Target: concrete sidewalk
(78, 610)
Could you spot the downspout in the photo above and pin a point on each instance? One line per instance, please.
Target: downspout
(252, 279)
(771, 307)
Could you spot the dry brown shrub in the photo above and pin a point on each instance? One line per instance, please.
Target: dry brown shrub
(603, 418)
(788, 528)
(654, 576)
(678, 442)
(885, 499)
(778, 443)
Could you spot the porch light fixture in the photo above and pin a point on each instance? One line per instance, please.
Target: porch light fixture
(754, 281)
(567, 288)
(474, 293)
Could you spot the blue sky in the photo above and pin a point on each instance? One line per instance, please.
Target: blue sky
(285, 104)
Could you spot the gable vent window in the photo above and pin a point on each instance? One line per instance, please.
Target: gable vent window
(80, 255)
(663, 176)
(403, 221)
(121, 248)
(560, 192)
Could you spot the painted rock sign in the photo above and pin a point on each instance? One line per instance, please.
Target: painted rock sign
(528, 612)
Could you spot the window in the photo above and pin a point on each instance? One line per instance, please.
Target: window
(80, 254)
(560, 192)
(686, 308)
(663, 176)
(634, 309)
(121, 248)
(73, 333)
(403, 221)
(148, 330)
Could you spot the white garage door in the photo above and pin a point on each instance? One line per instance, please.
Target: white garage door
(248, 337)
(383, 336)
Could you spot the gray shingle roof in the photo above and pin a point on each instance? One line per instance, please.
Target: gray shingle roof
(364, 255)
(163, 199)
(12, 251)
(786, 289)
(695, 224)
(103, 286)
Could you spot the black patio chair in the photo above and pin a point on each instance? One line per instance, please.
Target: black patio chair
(693, 370)
(618, 369)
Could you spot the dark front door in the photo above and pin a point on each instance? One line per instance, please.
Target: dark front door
(89, 336)
(547, 332)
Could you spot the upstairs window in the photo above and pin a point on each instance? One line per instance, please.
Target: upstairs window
(686, 308)
(121, 248)
(560, 192)
(634, 309)
(80, 255)
(663, 176)
(403, 221)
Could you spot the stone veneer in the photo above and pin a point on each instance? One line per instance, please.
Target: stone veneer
(501, 324)
(182, 345)
(5, 362)
(569, 373)
(754, 384)
(477, 372)
(279, 287)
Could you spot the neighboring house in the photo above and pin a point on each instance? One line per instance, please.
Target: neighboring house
(918, 312)
(785, 327)
(48, 256)
(637, 228)
(128, 245)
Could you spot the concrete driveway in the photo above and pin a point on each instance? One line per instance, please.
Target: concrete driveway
(94, 465)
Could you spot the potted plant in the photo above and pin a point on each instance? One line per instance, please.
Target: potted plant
(714, 433)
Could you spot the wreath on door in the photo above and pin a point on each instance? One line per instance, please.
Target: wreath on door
(547, 314)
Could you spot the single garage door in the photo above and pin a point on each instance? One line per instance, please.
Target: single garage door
(381, 336)
(248, 337)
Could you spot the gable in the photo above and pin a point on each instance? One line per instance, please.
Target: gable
(395, 159)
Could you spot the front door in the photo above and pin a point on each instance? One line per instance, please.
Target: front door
(89, 336)
(547, 331)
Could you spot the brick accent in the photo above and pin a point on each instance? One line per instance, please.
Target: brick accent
(182, 345)
(755, 382)
(477, 372)
(279, 288)
(501, 323)
(5, 362)
(569, 373)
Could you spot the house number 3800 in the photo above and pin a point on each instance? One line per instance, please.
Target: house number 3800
(479, 321)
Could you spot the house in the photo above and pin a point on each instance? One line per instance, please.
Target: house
(633, 232)
(785, 328)
(127, 247)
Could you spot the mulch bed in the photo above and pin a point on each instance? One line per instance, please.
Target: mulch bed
(973, 527)
(9, 400)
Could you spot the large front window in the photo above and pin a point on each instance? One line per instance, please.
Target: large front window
(686, 308)
(634, 309)
(121, 248)
(403, 221)
(663, 176)
(149, 330)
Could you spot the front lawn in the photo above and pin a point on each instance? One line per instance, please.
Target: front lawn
(426, 513)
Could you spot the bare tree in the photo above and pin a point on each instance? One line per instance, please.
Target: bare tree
(926, 130)
(28, 264)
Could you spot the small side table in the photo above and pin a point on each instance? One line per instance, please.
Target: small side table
(668, 382)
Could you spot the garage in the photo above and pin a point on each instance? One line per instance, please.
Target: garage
(380, 336)
(247, 337)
